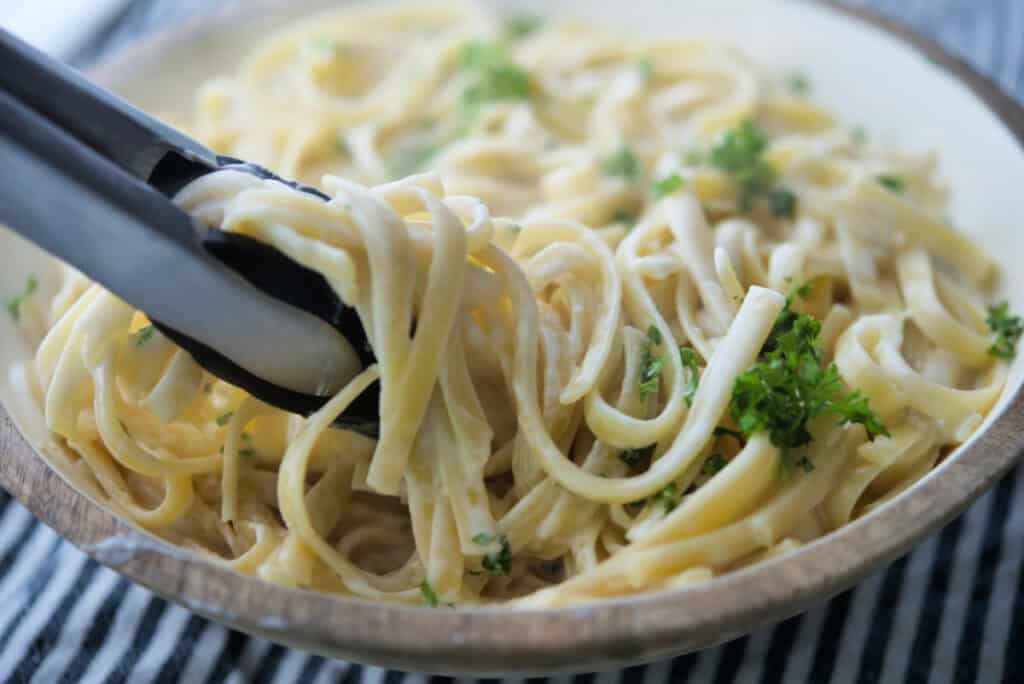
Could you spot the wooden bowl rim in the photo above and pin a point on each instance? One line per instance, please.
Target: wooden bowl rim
(499, 639)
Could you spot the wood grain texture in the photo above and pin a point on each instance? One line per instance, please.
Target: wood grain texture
(499, 640)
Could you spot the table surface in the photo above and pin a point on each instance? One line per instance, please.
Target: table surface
(951, 611)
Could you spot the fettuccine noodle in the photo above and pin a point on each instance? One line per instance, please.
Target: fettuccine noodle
(547, 207)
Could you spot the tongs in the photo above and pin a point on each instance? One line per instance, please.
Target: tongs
(89, 178)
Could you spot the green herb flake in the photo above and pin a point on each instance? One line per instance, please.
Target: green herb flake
(789, 387)
(691, 362)
(491, 76)
(224, 419)
(144, 335)
(892, 183)
(1007, 329)
(637, 457)
(625, 218)
(651, 365)
(783, 203)
(429, 596)
(208, 388)
(798, 83)
(667, 186)
(739, 154)
(520, 26)
(247, 454)
(668, 498)
(15, 303)
(693, 157)
(408, 161)
(499, 563)
(624, 164)
(713, 464)
(646, 68)
(859, 135)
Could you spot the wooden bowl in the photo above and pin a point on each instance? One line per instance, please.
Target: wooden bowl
(892, 81)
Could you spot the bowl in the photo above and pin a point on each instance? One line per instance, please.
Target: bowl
(899, 85)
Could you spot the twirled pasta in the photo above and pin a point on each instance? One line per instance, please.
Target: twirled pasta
(507, 415)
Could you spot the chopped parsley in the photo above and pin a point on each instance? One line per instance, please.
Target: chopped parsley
(787, 317)
(247, 454)
(892, 183)
(713, 464)
(492, 76)
(650, 365)
(668, 498)
(224, 419)
(15, 303)
(1007, 329)
(859, 135)
(646, 68)
(739, 153)
(693, 156)
(144, 335)
(783, 203)
(429, 596)
(623, 163)
(667, 186)
(789, 387)
(499, 563)
(625, 218)
(522, 25)
(327, 45)
(691, 362)
(410, 160)
(637, 457)
(798, 83)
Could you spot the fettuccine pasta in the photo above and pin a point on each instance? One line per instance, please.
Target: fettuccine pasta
(642, 314)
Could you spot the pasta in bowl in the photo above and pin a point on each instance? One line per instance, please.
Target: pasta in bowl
(644, 315)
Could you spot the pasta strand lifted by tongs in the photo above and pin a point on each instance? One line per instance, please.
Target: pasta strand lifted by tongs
(89, 179)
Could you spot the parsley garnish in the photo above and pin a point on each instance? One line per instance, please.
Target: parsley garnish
(739, 154)
(247, 453)
(650, 365)
(713, 464)
(667, 185)
(668, 498)
(892, 183)
(429, 596)
(637, 457)
(789, 387)
(410, 160)
(646, 68)
(859, 134)
(693, 156)
(14, 304)
(499, 563)
(1007, 329)
(625, 218)
(144, 335)
(798, 83)
(224, 419)
(492, 76)
(522, 25)
(783, 203)
(691, 362)
(623, 164)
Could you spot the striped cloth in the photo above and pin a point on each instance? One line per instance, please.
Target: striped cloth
(950, 611)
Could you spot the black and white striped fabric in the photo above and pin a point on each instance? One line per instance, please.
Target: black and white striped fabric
(952, 611)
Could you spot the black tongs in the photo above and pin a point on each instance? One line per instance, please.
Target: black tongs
(89, 178)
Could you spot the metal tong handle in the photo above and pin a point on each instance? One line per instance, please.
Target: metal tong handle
(119, 132)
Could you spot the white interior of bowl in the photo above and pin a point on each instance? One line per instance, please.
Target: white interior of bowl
(866, 76)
